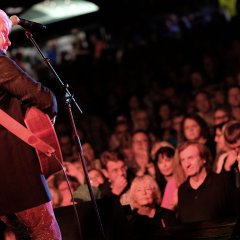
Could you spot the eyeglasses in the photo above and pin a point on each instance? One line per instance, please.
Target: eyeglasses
(121, 169)
(220, 117)
(141, 190)
(140, 141)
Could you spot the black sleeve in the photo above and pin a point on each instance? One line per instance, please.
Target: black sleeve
(17, 83)
(231, 192)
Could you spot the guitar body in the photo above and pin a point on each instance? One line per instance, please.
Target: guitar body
(40, 124)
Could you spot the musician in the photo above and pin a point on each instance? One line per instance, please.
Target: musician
(24, 195)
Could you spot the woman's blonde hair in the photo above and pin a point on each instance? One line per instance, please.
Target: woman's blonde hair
(138, 181)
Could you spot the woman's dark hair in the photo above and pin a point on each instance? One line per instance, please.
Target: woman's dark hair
(232, 132)
(204, 128)
(166, 151)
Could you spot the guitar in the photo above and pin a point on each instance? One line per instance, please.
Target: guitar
(41, 126)
(39, 134)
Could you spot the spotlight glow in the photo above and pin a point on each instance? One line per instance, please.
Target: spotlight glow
(53, 11)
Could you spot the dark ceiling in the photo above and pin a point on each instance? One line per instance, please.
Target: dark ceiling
(127, 5)
(114, 14)
(16, 3)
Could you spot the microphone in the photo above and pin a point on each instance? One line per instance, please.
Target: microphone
(26, 24)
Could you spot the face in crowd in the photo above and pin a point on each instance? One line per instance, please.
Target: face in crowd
(116, 170)
(144, 192)
(164, 160)
(192, 129)
(5, 28)
(140, 142)
(191, 161)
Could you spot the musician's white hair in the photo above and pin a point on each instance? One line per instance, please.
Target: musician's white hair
(4, 18)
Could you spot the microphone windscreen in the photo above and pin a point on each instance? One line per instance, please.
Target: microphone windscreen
(15, 19)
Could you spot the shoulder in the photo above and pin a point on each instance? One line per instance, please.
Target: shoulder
(217, 182)
(6, 61)
(171, 184)
(4, 58)
(184, 186)
(223, 176)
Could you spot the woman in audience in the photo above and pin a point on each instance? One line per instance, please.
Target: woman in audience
(221, 148)
(148, 217)
(232, 138)
(157, 145)
(163, 163)
(174, 180)
(195, 129)
(141, 153)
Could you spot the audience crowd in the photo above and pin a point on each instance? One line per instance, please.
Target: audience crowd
(161, 123)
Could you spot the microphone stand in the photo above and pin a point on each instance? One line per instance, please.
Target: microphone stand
(68, 97)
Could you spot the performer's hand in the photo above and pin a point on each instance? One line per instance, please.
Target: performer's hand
(118, 185)
(231, 159)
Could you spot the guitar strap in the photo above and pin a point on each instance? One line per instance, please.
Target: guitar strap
(24, 134)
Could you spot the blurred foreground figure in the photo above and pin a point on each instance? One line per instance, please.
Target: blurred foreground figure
(25, 205)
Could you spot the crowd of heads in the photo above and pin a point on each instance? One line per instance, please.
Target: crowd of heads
(162, 127)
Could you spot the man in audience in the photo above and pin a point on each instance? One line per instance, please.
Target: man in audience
(115, 170)
(141, 120)
(204, 106)
(120, 135)
(204, 195)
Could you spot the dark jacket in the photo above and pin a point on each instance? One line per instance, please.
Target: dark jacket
(143, 227)
(21, 182)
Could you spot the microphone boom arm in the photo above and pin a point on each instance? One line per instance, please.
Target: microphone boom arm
(68, 99)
